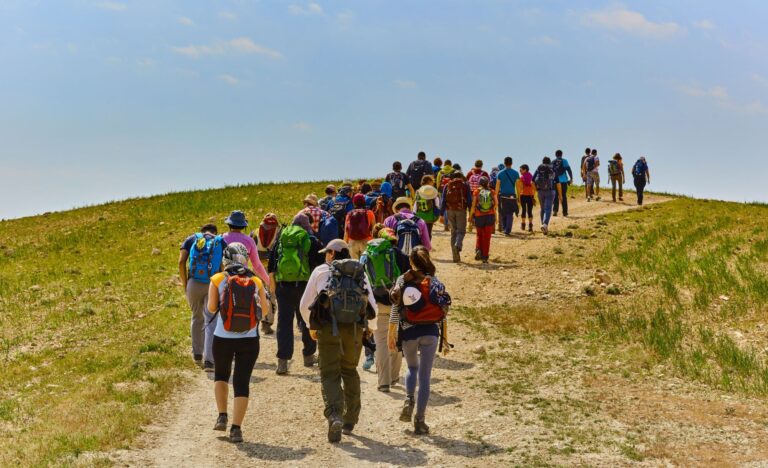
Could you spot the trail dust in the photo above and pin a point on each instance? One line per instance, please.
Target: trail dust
(567, 412)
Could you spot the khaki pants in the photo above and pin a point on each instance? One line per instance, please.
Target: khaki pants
(357, 248)
(387, 363)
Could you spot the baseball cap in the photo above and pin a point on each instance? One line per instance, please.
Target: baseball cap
(336, 245)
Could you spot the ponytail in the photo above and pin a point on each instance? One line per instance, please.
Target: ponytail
(420, 260)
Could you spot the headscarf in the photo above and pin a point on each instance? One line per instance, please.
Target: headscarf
(302, 220)
(268, 230)
(527, 178)
(235, 258)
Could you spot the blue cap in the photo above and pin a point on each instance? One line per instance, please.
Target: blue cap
(236, 220)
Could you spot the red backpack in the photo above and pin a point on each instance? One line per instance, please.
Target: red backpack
(422, 310)
(358, 226)
(237, 304)
(455, 195)
(383, 208)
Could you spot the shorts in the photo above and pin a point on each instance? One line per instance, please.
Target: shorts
(593, 177)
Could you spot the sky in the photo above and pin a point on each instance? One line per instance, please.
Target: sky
(108, 99)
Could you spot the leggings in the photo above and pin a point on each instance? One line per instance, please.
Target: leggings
(419, 355)
(244, 351)
(527, 207)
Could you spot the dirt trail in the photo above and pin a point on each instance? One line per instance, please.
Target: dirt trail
(285, 425)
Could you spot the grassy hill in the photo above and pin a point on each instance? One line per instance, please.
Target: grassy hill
(94, 329)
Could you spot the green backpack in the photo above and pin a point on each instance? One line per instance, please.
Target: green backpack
(381, 267)
(485, 200)
(293, 255)
(425, 209)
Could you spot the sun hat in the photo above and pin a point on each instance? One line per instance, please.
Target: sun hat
(427, 192)
(311, 199)
(336, 245)
(236, 219)
(403, 201)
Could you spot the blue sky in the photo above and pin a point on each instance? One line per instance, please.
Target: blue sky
(102, 100)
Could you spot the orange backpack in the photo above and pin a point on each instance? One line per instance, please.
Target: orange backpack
(238, 305)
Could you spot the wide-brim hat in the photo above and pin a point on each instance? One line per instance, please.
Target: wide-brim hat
(403, 201)
(427, 192)
(311, 199)
(236, 219)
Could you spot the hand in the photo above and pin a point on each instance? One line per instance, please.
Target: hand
(313, 334)
(391, 342)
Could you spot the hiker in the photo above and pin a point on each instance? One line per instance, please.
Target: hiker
(337, 303)
(341, 205)
(544, 179)
(382, 206)
(587, 153)
(266, 239)
(290, 265)
(237, 297)
(236, 221)
(483, 217)
(312, 209)
(506, 188)
(437, 165)
(359, 225)
(616, 174)
(642, 177)
(563, 178)
(474, 175)
(373, 194)
(443, 173)
(456, 200)
(494, 173)
(418, 325)
(592, 169)
(400, 182)
(383, 264)
(526, 190)
(200, 257)
(365, 188)
(417, 170)
(327, 201)
(427, 203)
(410, 230)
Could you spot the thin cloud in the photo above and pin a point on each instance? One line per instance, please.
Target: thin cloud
(618, 18)
(719, 95)
(229, 79)
(112, 6)
(310, 9)
(302, 126)
(240, 45)
(186, 21)
(227, 15)
(716, 92)
(544, 41)
(405, 84)
(760, 79)
(345, 17)
(704, 24)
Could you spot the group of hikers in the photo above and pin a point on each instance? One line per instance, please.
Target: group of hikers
(352, 271)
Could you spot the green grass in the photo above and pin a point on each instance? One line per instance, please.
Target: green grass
(94, 328)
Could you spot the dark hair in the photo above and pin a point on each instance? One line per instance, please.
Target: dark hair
(525, 166)
(587, 150)
(479, 163)
(211, 228)
(448, 162)
(420, 260)
(343, 254)
(558, 153)
(457, 167)
(422, 155)
(396, 166)
(594, 152)
(365, 188)
(329, 190)
(508, 161)
(427, 179)
(617, 157)
(437, 162)
(546, 160)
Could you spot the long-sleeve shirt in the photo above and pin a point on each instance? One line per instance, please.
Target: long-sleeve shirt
(253, 254)
(391, 222)
(318, 282)
(467, 195)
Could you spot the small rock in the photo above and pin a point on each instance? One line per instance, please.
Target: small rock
(479, 349)
(156, 251)
(725, 298)
(212, 219)
(35, 287)
(162, 223)
(530, 293)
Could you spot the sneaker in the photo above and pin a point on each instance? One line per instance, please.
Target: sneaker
(589, 199)
(598, 198)
(208, 366)
(334, 429)
(394, 382)
(478, 254)
(368, 363)
(235, 435)
(266, 328)
(485, 259)
(455, 253)
(282, 366)
(545, 229)
(420, 428)
(198, 358)
(621, 199)
(309, 361)
(407, 411)
(522, 226)
(554, 213)
(530, 227)
(347, 428)
(383, 388)
(221, 423)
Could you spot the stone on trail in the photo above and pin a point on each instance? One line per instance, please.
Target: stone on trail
(602, 277)
(156, 251)
(479, 349)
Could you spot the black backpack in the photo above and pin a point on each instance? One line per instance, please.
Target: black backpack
(339, 211)
(397, 180)
(347, 294)
(420, 168)
(590, 162)
(544, 177)
(558, 167)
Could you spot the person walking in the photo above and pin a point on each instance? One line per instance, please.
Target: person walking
(382, 206)
(428, 203)
(444, 174)
(483, 218)
(418, 325)
(359, 226)
(506, 188)
(316, 215)
(266, 238)
(437, 165)
(642, 177)
(400, 182)
(457, 199)
(330, 195)
(474, 175)
(290, 266)
(592, 169)
(616, 174)
(526, 190)
(237, 298)
(544, 178)
(582, 169)
(200, 257)
(337, 303)
(563, 178)
(417, 170)
(410, 230)
(236, 221)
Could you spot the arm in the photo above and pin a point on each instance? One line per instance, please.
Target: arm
(258, 267)
(411, 191)
(310, 293)
(371, 222)
(442, 205)
(346, 228)
(183, 257)
(263, 300)
(647, 175)
(213, 298)
(498, 190)
(570, 174)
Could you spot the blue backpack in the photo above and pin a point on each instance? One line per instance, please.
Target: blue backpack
(408, 234)
(329, 229)
(205, 257)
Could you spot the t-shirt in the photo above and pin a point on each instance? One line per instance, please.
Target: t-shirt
(507, 179)
(253, 255)
(562, 178)
(399, 182)
(190, 241)
(218, 281)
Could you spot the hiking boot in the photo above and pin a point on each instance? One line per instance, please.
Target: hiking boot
(198, 358)
(221, 423)
(478, 254)
(420, 428)
(334, 429)
(621, 199)
(522, 226)
(554, 213)
(266, 328)
(589, 199)
(598, 198)
(235, 435)
(282, 366)
(407, 411)
(383, 388)
(368, 362)
(208, 366)
(455, 253)
(485, 259)
(347, 428)
(309, 361)
(530, 227)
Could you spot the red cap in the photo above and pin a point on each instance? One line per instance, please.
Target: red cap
(358, 200)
